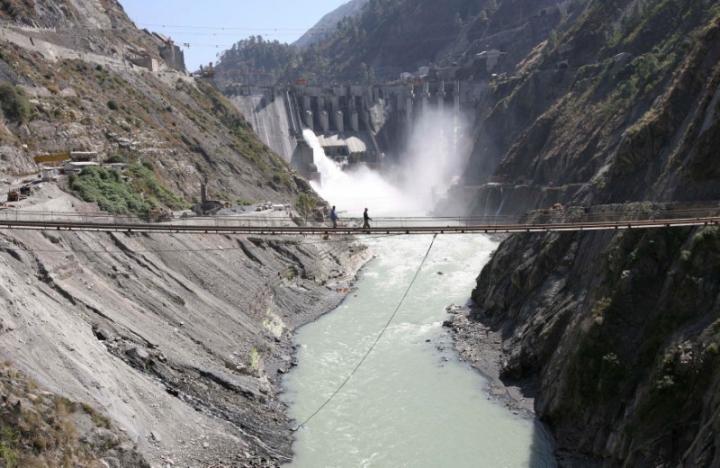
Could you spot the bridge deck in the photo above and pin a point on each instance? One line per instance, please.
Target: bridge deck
(287, 230)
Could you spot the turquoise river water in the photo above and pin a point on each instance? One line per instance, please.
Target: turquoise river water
(412, 403)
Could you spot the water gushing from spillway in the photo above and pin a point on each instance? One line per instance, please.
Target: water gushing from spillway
(432, 161)
(359, 188)
(435, 155)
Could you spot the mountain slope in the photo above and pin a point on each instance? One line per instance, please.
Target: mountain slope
(617, 333)
(389, 37)
(85, 93)
(177, 341)
(329, 22)
(385, 38)
(625, 118)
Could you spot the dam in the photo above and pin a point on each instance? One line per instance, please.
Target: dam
(355, 124)
(394, 149)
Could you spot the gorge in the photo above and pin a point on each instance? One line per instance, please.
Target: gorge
(595, 348)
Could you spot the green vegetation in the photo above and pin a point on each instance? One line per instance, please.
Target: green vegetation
(112, 105)
(38, 429)
(305, 205)
(14, 104)
(8, 447)
(137, 193)
(383, 29)
(257, 61)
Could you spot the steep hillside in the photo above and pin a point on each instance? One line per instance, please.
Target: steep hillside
(394, 36)
(254, 61)
(179, 340)
(388, 37)
(172, 346)
(617, 334)
(328, 23)
(619, 106)
(96, 83)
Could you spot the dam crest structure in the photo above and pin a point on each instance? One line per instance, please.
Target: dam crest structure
(355, 124)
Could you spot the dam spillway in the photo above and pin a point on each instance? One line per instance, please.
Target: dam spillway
(356, 123)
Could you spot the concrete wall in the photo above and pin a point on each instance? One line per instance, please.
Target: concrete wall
(173, 56)
(271, 119)
(382, 116)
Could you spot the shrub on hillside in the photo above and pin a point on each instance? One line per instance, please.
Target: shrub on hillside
(136, 194)
(14, 104)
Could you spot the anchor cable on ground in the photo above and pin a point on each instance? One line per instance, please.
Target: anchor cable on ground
(375, 343)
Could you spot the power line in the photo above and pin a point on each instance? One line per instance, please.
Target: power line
(377, 339)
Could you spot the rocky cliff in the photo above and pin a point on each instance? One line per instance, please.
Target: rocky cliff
(128, 350)
(619, 105)
(616, 334)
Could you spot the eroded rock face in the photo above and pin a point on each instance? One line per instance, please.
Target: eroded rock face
(620, 106)
(621, 334)
(178, 340)
(617, 333)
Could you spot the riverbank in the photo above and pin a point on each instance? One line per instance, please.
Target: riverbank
(412, 402)
(179, 340)
(481, 347)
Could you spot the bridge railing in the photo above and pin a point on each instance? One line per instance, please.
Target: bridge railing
(568, 216)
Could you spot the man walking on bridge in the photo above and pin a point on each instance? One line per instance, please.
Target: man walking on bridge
(366, 219)
(333, 217)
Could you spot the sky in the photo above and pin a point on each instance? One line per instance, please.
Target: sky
(211, 26)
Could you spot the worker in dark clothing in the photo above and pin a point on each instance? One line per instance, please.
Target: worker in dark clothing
(366, 219)
(333, 217)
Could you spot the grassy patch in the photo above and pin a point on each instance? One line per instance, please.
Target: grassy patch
(136, 193)
(255, 360)
(8, 450)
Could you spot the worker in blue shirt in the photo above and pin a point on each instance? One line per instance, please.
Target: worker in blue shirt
(333, 217)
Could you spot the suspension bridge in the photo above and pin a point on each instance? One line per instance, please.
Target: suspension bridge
(534, 222)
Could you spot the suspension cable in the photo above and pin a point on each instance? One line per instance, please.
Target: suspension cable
(375, 343)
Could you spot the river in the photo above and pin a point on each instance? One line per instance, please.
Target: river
(412, 403)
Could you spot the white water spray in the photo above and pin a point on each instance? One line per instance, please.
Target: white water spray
(435, 155)
(358, 188)
(433, 159)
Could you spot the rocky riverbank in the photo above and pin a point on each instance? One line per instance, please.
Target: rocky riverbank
(178, 340)
(481, 347)
(616, 336)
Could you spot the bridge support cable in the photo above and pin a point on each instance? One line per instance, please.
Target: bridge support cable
(372, 347)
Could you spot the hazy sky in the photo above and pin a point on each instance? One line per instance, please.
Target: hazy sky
(200, 22)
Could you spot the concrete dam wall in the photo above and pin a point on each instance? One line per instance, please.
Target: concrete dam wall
(355, 124)
(270, 117)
